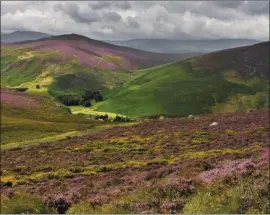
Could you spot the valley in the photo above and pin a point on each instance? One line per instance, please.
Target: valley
(221, 81)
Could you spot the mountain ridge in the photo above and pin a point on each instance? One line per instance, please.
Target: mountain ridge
(18, 36)
(183, 46)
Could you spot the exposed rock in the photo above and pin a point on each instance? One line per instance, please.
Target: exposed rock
(214, 124)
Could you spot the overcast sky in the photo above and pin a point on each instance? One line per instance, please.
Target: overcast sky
(140, 19)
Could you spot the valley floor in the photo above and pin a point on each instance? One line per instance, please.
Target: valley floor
(177, 165)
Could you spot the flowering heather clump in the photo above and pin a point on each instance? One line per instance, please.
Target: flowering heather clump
(228, 168)
(264, 157)
(19, 100)
(178, 186)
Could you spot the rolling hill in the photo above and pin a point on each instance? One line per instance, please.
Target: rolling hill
(23, 114)
(74, 63)
(184, 46)
(229, 80)
(18, 36)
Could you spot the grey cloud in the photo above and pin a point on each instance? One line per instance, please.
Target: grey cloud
(124, 5)
(256, 7)
(132, 22)
(72, 10)
(12, 6)
(228, 4)
(143, 19)
(223, 10)
(100, 5)
(248, 7)
(112, 16)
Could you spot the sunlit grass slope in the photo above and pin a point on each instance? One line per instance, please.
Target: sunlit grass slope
(179, 90)
(24, 68)
(48, 121)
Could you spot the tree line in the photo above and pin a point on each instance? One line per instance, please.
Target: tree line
(85, 99)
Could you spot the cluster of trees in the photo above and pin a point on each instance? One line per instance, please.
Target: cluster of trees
(88, 95)
(103, 117)
(21, 89)
(70, 100)
(121, 119)
(85, 100)
(115, 119)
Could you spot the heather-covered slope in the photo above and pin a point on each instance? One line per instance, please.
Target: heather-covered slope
(248, 61)
(73, 64)
(228, 80)
(93, 53)
(157, 166)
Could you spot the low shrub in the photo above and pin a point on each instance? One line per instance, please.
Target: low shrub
(121, 119)
(7, 184)
(81, 208)
(86, 208)
(239, 197)
(87, 103)
(21, 89)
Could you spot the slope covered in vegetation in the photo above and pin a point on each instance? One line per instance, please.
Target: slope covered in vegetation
(228, 80)
(73, 64)
(29, 118)
(157, 166)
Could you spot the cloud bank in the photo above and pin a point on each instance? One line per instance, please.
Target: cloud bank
(118, 20)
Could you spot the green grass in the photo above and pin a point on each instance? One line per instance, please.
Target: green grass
(114, 59)
(174, 90)
(23, 203)
(23, 67)
(246, 197)
(91, 111)
(22, 71)
(49, 121)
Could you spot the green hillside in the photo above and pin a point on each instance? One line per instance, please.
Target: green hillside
(73, 64)
(36, 119)
(179, 90)
(23, 68)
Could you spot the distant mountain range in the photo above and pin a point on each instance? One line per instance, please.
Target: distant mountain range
(151, 45)
(184, 46)
(18, 36)
(95, 53)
